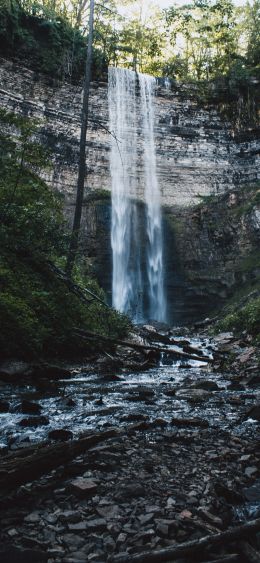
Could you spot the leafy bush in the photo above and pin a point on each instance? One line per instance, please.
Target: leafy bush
(38, 312)
(247, 318)
(45, 40)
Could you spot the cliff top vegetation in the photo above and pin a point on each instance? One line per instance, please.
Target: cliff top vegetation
(201, 40)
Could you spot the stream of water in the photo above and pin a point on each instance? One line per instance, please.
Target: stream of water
(89, 401)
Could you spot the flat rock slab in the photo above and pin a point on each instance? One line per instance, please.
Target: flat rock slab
(83, 487)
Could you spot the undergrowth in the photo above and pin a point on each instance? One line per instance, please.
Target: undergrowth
(38, 312)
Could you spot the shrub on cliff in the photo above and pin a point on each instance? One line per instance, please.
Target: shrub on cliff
(247, 318)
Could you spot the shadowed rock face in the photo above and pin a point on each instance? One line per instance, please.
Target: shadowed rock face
(198, 153)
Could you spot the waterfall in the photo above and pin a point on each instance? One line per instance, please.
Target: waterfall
(157, 305)
(137, 284)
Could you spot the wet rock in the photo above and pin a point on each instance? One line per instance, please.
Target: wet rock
(14, 368)
(224, 338)
(19, 442)
(159, 422)
(254, 413)
(250, 470)
(236, 386)
(83, 487)
(78, 527)
(108, 365)
(170, 392)
(109, 544)
(70, 402)
(4, 406)
(193, 395)
(253, 380)
(28, 407)
(206, 385)
(135, 417)
(252, 494)
(60, 435)
(190, 422)
(95, 525)
(34, 421)
(73, 540)
(71, 516)
(32, 518)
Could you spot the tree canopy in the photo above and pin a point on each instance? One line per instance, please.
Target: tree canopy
(198, 40)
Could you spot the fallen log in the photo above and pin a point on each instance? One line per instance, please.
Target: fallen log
(142, 347)
(26, 465)
(250, 553)
(30, 463)
(232, 558)
(191, 547)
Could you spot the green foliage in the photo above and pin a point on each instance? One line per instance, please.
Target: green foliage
(246, 318)
(38, 312)
(44, 39)
(31, 214)
(200, 41)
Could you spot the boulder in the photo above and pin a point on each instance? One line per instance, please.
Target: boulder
(4, 406)
(190, 422)
(28, 407)
(60, 434)
(206, 385)
(34, 421)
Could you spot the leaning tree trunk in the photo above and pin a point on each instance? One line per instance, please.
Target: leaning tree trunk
(82, 153)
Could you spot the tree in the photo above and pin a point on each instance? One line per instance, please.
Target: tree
(82, 151)
(205, 36)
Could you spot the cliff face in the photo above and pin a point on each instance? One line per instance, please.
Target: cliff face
(197, 151)
(198, 154)
(217, 249)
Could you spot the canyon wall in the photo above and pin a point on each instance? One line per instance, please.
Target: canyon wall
(199, 155)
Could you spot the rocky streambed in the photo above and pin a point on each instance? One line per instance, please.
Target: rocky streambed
(182, 463)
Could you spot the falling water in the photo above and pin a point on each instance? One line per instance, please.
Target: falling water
(157, 306)
(126, 284)
(129, 277)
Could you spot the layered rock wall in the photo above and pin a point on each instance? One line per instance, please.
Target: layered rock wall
(197, 151)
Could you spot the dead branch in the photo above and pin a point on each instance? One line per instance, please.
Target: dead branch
(74, 287)
(32, 462)
(251, 554)
(192, 547)
(142, 347)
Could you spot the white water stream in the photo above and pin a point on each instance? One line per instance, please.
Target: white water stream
(138, 280)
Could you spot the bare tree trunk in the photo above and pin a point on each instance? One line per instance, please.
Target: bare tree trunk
(82, 153)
